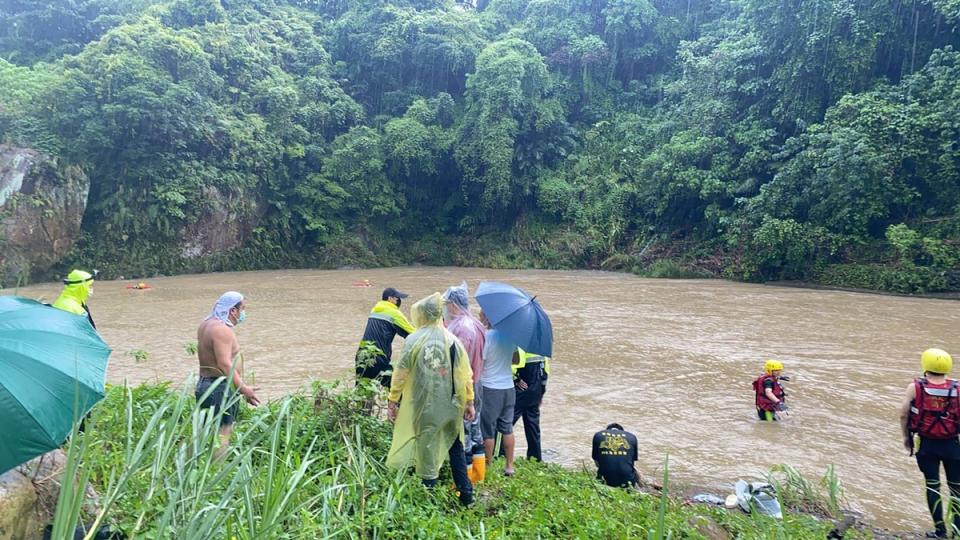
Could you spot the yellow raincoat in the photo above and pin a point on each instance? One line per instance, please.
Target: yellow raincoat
(432, 395)
(76, 290)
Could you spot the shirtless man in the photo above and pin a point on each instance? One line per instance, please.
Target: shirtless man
(217, 348)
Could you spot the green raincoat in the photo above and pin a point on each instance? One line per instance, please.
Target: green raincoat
(433, 391)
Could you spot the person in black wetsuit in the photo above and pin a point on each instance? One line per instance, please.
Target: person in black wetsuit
(383, 324)
(615, 452)
(931, 411)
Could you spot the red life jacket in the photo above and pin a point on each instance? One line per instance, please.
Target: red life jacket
(935, 411)
(764, 403)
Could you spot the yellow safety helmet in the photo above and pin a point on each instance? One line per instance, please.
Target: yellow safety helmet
(936, 361)
(772, 365)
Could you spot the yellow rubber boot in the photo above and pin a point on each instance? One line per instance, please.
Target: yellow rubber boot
(478, 469)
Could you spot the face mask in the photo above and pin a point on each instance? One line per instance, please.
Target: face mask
(399, 301)
(446, 313)
(89, 294)
(242, 317)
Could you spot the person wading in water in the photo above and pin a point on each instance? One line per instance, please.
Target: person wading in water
(217, 347)
(769, 392)
(931, 411)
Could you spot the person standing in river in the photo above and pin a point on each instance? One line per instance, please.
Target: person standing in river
(384, 323)
(769, 393)
(931, 411)
(221, 365)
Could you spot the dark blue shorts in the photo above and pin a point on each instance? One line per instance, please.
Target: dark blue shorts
(216, 399)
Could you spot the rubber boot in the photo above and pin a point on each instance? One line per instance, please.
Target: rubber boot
(478, 469)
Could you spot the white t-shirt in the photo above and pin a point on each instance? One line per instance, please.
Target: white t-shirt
(497, 357)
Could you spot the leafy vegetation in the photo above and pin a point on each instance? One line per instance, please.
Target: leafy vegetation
(313, 468)
(755, 139)
(138, 355)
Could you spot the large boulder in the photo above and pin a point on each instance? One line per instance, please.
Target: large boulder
(46, 474)
(18, 499)
(41, 206)
(28, 496)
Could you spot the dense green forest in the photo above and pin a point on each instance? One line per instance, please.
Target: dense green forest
(753, 139)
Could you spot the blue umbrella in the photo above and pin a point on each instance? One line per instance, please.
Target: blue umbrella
(52, 369)
(518, 315)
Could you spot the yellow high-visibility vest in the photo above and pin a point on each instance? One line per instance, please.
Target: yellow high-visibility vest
(530, 358)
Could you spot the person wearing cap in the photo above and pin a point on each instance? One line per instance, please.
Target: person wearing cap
(615, 452)
(221, 365)
(383, 324)
(77, 288)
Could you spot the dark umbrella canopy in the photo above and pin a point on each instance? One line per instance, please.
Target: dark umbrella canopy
(52, 370)
(518, 315)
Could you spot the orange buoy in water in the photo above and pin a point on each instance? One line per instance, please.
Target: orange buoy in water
(139, 286)
(363, 283)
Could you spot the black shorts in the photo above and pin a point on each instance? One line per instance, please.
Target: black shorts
(215, 400)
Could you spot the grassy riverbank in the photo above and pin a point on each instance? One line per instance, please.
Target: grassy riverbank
(312, 467)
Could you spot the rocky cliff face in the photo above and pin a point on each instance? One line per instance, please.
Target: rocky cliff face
(41, 207)
(226, 222)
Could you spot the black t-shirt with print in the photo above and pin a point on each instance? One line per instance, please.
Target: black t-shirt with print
(615, 452)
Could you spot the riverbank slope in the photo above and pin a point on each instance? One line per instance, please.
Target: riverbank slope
(312, 466)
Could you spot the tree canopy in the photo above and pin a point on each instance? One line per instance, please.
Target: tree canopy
(761, 139)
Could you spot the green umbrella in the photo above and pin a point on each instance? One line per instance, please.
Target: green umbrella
(52, 370)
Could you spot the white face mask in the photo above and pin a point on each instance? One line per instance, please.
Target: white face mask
(91, 292)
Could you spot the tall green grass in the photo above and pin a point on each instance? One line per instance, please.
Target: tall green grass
(800, 494)
(660, 532)
(313, 467)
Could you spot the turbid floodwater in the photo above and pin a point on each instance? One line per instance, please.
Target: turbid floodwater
(671, 360)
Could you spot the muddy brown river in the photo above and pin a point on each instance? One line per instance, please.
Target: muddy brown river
(671, 360)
